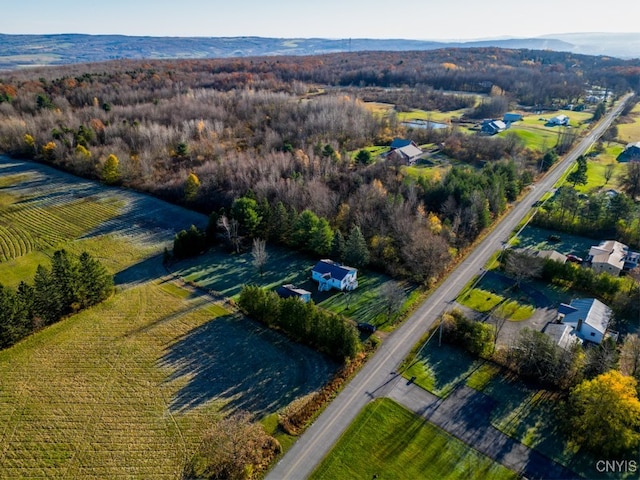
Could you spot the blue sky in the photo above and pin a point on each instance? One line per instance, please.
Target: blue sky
(413, 19)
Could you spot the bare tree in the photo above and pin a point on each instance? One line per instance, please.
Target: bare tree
(521, 266)
(230, 229)
(259, 254)
(393, 297)
(608, 172)
(630, 181)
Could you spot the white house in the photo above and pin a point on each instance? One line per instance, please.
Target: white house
(561, 119)
(611, 257)
(588, 317)
(562, 335)
(330, 274)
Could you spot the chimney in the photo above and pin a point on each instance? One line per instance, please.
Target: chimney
(579, 326)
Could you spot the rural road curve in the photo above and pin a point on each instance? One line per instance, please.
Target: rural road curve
(309, 450)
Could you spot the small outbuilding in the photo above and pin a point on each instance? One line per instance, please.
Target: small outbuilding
(289, 290)
(491, 127)
(511, 117)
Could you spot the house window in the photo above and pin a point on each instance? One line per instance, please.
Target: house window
(593, 334)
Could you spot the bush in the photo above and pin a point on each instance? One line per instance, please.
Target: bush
(475, 337)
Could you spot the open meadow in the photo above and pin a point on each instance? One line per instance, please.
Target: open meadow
(127, 388)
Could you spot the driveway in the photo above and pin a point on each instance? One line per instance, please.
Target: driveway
(465, 414)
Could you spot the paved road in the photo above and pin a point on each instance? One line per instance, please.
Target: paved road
(316, 442)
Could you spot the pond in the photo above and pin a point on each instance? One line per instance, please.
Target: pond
(425, 124)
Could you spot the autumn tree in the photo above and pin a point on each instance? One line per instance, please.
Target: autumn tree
(235, 448)
(191, 187)
(111, 170)
(609, 169)
(630, 356)
(604, 414)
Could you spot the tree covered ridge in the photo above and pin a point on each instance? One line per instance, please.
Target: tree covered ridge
(209, 132)
(71, 284)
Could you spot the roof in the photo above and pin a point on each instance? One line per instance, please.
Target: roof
(632, 148)
(409, 151)
(592, 312)
(559, 118)
(511, 117)
(550, 254)
(562, 335)
(609, 251)
(336, 270)
(289, 290)
(400, 142)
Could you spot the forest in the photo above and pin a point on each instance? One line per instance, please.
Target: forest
(270, 143)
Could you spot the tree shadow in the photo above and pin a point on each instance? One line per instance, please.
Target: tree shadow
(243, 364)
(141, 272)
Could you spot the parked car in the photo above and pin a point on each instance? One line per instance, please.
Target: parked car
(366, 327)
(574, 258)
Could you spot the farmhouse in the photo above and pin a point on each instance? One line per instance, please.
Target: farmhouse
(511, 117)
(588, 317)
(289, 290)
(405, 150)
(559, 120)
(491, 127)
(612, 257)
(330, 274)
(631, 153)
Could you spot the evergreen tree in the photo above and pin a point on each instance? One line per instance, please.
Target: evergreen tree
(65, 278)
(97, 283)
(47, 304)
(356, 252)
(321, 238)
(338, 247)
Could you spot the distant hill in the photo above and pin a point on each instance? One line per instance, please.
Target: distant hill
(19, 51)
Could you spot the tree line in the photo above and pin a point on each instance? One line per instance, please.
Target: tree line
(303, 322)
(71, 284)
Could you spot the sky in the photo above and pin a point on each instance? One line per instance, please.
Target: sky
(335, 19)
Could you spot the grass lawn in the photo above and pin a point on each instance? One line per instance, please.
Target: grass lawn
(534, 137)
(127, 388)
(226, 273)
(438, 369)
(533, 417)
(480, 300)
(389, 441)
(538, 238)
(630, 132)
(433, 115)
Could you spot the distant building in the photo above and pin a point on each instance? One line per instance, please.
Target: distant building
(631, 153)
(588, 317)
(491, 127)
(330, 274)
(559, 120)
(405, 151)
(288, 291)
(511, 117)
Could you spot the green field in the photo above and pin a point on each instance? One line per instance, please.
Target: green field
(630, 132)
(389, 441)
(127, 388)
(484, 301)
(226, 273)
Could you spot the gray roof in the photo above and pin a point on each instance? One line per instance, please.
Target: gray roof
(332, 268)
(609, 251)
(592, 311)
(562, 335)
(409, 151)
(289, 290)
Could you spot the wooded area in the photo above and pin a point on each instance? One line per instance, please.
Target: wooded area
(281, 131)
